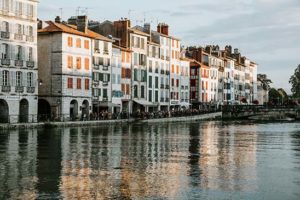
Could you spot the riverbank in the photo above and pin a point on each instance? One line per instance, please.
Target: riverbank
(208, 116)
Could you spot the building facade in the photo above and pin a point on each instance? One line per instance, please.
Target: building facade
(66, 53)
(18, 69)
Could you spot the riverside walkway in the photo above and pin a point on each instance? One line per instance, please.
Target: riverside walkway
(199, 117)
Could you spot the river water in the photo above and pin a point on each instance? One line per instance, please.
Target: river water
(198, 160)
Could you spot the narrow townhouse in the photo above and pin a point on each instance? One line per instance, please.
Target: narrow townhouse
(65, 61)
(185, 82)
(18, 68)
(116, 70)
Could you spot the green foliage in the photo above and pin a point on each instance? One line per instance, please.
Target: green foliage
(274, 96)
(295, 82)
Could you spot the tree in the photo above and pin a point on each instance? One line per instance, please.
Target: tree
(295, 82)
(274, 96)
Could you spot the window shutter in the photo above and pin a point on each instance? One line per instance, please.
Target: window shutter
(108, 77)
(100, 76)
(34, 79)
(12, 78)
(24, 79)
(1, 80)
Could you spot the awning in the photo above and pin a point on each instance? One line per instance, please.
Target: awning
(108, 104)
(145, 103)
(185, 104)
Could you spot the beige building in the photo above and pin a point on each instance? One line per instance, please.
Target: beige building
(18, 69)
(65, 60)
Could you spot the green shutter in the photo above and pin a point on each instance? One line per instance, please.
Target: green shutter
(100, 76)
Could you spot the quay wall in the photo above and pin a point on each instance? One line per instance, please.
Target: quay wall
(106, 122)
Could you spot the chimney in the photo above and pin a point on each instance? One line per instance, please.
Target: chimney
(208, 49)
(163, 28)
(40, 24)
(57, 19)
(121, 31)
(236, 51)
(82, 23)
(147, 28)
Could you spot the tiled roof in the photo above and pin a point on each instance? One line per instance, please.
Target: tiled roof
(67, 28)
(134, 30)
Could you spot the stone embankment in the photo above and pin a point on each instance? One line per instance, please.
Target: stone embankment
(209, 116)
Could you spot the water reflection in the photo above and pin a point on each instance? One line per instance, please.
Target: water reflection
(155, 161)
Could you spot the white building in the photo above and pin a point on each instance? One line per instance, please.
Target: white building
(65, 61)
(185, 83)
(18, 69)
(116, 88)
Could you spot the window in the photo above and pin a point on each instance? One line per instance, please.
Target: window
(156, 82)
(19, 29)
(30, 54)
(86, 63)
(156, 96)
(70, 62)
(86, 44)
(87, 84)
(142, 91)
(104, 93)
(135, 91)
(5, 51)
(19, 54)
(79, 84)
(150, 95)
(29, 79)
(18, 79)
(78, 63)
(70, 83)
(150, 82)
(5, 27)
(78, 43)
(70, 41)
(30, 30)
(5, 78)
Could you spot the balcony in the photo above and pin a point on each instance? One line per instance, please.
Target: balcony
(167, 86)
(162, 71)
(5, 35)
(29, 38)
(105, 68)
(105, 99)
(167, 72)
(156, 70)
(105, 84)
(105, 51)
(6, 88)
(19, 63)
(30, 89)
(19, 89)
(95, 83)
(167, 100)
(96, 67)
(5, 61)
(168, 58)
(162, 99)
(30, 64)
(162, 86)
(18, 37)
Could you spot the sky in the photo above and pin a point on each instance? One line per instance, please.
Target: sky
(265, 31)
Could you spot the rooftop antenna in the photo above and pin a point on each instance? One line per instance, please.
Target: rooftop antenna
(78, 10)
(61, 12)
(129, 12)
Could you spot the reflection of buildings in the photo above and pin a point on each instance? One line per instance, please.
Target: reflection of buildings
(228, 158)
(18, 165)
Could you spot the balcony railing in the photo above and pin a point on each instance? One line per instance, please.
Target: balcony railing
(18, 37)
(105, 84)
(5, 61)
(105, 68)
(105, 51)
(162, 99)
(167, 86)
(162, 86)
(30, 89)
(19, 63)
(5, 35)
(156, 70)
(167, 72)
(167, 99)
(19, 89)
(96, 67)
(30, 64)
(6, 88)
(162, 71)
(105, 99)
(29, 38)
